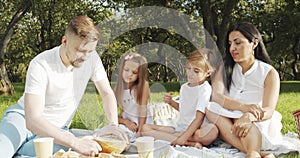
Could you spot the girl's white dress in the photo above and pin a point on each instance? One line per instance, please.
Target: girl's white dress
(130, 112)
(249, 88)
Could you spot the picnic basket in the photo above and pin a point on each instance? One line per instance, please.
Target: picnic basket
(296, 115)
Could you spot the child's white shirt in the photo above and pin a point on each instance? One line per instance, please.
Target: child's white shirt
(192, 99)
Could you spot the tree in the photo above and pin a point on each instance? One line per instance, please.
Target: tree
(278, 21)
(22, 8)
(41, 28)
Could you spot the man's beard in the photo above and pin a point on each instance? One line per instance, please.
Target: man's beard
(77, 63)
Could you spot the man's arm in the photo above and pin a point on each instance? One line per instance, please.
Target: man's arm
(109, 100)
(111, 111)
(35, 122)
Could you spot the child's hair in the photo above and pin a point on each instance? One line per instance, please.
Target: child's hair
(201, 56)
(141, 78)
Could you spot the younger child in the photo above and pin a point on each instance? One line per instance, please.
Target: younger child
(133, 93)
(191, 129)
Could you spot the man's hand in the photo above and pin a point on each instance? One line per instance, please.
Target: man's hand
(86, 146)
(111, 130)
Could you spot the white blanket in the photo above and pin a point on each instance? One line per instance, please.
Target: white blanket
(218, 149)
(164, 149)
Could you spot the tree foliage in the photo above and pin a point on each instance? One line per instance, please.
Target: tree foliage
(42, 25)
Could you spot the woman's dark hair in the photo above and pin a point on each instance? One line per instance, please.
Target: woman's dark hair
(251, 33)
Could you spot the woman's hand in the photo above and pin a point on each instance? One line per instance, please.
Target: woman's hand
(254, 109)
(242, 126)
(86, 146)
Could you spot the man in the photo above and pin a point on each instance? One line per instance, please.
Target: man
(55, 83)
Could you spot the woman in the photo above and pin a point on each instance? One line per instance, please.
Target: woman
(245, 93)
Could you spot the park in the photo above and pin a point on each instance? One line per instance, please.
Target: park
(165, 32)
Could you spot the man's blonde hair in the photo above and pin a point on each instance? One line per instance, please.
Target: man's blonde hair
(83, 27)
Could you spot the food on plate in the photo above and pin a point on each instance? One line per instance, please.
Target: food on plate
(109, 144)
(69, 154)
(72, 154)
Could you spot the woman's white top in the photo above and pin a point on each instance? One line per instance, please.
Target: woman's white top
(249, 88)
(191, 100)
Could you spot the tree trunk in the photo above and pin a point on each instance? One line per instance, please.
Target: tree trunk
(6, 87)
(5, 84)
(208, 22)
(216, 30)
(296, 62)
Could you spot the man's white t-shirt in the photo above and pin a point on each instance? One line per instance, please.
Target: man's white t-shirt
(191, 100)
(62, 88)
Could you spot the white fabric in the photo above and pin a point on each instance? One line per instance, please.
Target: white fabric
(164, 114)
(130, 108)
(62, 88)
(192, 99)
(130, 112)
(217, 149)
(249, 88)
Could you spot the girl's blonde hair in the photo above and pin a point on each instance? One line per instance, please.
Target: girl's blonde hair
(140, 81)
(201, 56)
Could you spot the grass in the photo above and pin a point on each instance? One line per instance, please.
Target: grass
(90, 114)
(288, 101)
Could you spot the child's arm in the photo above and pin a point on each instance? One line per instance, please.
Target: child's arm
(168, 99)
(197, 122)
(129, 124)
(143, 107)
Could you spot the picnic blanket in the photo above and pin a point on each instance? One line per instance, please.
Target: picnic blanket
(164, 114)
(290, 145)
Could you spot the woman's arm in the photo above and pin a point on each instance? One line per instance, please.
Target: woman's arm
(219, 90)
(271, 93)
(218, 96)
(270, 97)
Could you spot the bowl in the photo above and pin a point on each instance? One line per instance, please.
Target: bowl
(110, 145)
